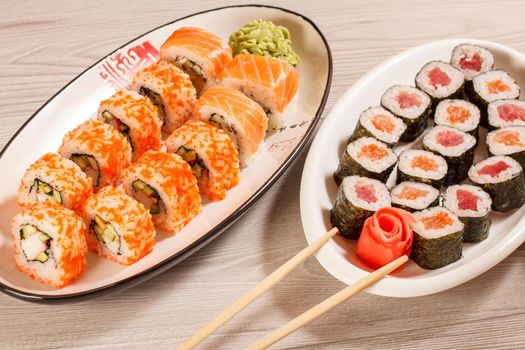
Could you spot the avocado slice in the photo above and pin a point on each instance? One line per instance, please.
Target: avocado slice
(107, 115)
(27, 230)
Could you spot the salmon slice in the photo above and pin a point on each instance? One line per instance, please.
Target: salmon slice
(457, 114)
(508, 138)
(467, 200)
(412, 193)
(437, 222)
(383, 123)
(372, 152)
(424, 163)
(496, 86)
(511, 112)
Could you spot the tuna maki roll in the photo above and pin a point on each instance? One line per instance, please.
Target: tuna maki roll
(422, 166)
(472, 205)
(503, 113)
(413, 106)
(502, 178)
(472, 60)
(456, 146)
(438, 238)
(366, 157)
(440, 80)
(508, 142)
(380, 124)
(357, 199)
(412, 196)
(458, 114)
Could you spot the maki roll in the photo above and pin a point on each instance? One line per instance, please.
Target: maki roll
(472, 205)
(380, 124)
(472, 60)
(210, 153)
(50, 244)
(456, 146)
(120, 228)
(198, 52)
(412, 105)
(239, 116)
(170, 90)
(366, 157)
(99, 150)
(458, 114)
(491, 86)
(270, 82)
(440, 80)
(438, 238)
(53, 178)
(502, 178)
(135, 117)
(422, 166)
(508, 142)
(504, 113)
(412, 196)
(164, 184)
(357, 199)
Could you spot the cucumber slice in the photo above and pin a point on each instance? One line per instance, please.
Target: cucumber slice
(27, 230)
(100, 222)
(42, 257)
(197, 170)
(148, 190)
(107, 115)
(44, 187)
(44, 237)
(155, 209)
(109, 235)
(56, 196)
(138, 185)
(98, 230)
(81, 161)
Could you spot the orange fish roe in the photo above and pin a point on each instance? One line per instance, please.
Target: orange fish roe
(437, 221)
(457, 114)
(216, 150)
(62, 174)
(497, 86)
(372, 152)
(508, 138)
(68, 243)
(412, 193)
(424, 163)
(383, 123)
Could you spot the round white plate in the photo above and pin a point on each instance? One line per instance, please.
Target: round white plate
(318, 190)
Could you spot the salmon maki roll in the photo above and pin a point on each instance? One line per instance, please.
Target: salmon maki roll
(99, 150)
(170, 90)
(135, 117)
(199, 53)
(270, 82)
(212, 155)
(164, 184)
(120, 228)
(50, 244)
(240, 117)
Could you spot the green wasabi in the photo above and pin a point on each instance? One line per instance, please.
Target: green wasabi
(265, 39)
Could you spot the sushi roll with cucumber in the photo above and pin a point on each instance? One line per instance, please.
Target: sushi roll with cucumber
(422, 166)
(210, 153)
(502, 178)
(135, 117)
(440, 80)
(508, 141)
(504, 113)
(240, 117)
(119, 228)
(411, 105)
(53, 178)
(380, 124)
(170, 90)
(198, 52)
(413, 196)
(99, 150)
(50, 244)
(472, 60)
(438, 238)
(472, 206)
(458, 114)
(357, 199)
(366, 157)
(165, 185)
(456, 146)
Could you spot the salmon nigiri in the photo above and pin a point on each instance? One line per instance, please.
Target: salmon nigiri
(269, 81)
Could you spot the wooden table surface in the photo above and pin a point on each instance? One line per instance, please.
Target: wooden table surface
(44, 44)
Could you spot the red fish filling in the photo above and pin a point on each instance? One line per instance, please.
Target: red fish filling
(493, 170)
(467, 200)
(383, 123)
(437, 77)
(511, 112)
(408, 100)
(449, 138)
(366, 192)
(472, 63)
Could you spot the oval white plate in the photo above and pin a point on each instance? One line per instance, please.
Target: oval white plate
(78, 101)
(318, 190)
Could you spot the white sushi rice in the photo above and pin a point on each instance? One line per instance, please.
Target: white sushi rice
(407, 157)
(442, 116)
(494, 116)
(381, 192)
(354, 149)
(390, 102)
(467, 52)
(419, 203)
(480, 85)
(432, 233)
(366, 119)
(451, 202)
(507, 174)
(499, 148)
(457, 79)
(430, 141)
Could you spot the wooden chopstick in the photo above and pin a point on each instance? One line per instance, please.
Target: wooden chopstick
(257, 291)
(327, 304)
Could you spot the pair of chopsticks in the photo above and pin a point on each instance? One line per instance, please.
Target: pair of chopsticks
(302, 319)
